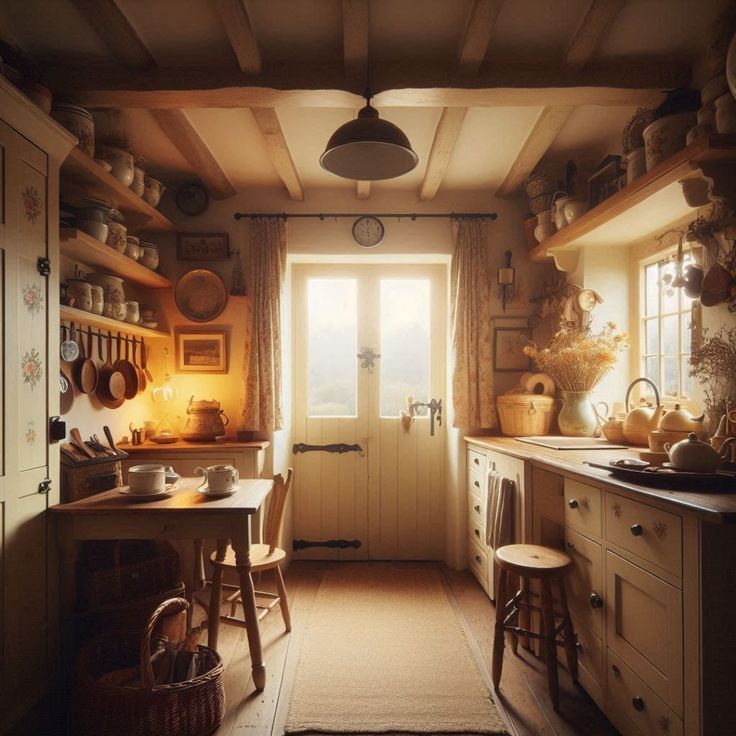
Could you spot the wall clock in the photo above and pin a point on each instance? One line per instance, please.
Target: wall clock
(368, 231)
(192, 199)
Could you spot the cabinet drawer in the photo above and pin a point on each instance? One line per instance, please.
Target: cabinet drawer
(584, 583)
(652, 534)
(476, 484)
(476, 508)
(476, 461)
(475, 531)
(583, 507)
(478, 561)
(632, 700)
(644, 627)
(590, 650)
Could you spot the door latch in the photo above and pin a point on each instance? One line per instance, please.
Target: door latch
(57, 429)
(435, 411)
(44, 486)
(43, 265)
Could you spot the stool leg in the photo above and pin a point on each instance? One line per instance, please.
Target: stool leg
(524, 614)
(498, 636)
(571, 652)
(549, 647)
(512, 587)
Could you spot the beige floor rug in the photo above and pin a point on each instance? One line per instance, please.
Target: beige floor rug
(383, 652)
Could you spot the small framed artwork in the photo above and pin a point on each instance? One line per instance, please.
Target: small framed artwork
(203, 247)
(201, 352)
(508, 349)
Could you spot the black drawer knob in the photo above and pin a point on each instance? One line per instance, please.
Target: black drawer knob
(637, 530)
(637, 702)
(476, 484)
(477, 532)
(476, 461)
(477, 508)
(595, 600)
(573, 503)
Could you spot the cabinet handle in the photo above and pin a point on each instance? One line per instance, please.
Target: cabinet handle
(476, 484)
(477, 559)
(477, 532)
(476, 461)
(595, 600)
(637, 702)
(573, 503)
(637, 530)
(616, 671)
(476, 508)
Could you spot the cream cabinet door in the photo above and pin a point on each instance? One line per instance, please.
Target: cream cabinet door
(548, 512)
(585, 582)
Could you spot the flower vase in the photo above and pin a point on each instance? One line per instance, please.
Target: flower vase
(577, 417)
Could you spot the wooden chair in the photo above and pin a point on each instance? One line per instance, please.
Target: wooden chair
(548, 566)
(263, 557)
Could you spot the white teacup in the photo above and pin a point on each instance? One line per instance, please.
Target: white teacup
(146, 479)
(219, 478)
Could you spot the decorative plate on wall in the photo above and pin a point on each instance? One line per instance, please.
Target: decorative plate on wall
(200, 295)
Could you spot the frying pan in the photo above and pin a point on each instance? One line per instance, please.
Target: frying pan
(84, 369)
(141, 373)
(69, 347)
(127, 370)
(144, 360)
(66, 393)
(110, 384)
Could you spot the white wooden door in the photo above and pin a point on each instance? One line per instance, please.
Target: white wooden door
(389, 496)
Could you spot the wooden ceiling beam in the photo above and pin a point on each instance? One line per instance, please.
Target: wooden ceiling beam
(278, 150)
(355, 42)
(595, 24)
(478, 35)
(410, 85)
(237, 25)
(445, 137)
(362, 189)
(116, 32)
(178, 129)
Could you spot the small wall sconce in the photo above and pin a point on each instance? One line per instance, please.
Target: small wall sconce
(506, 278)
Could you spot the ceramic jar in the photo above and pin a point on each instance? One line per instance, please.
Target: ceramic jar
(98, 299)
(574, 209)
(544, 228)
(577, 417)
(726, 114)
(636, 164)
(138, 186)
(121, 162)
(132, 313)
(132, 247)
(666, 136)
(558, 210)
(112, 286)
(78, 122)
(153, 191)
(117, 232)
(79, 294)
(115, 310)
(97, 230)
(149, 256)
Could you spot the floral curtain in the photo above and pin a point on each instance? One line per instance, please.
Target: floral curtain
(262, 368)
(472, 377)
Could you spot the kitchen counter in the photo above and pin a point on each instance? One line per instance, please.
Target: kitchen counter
(712, 507)
(194, 446)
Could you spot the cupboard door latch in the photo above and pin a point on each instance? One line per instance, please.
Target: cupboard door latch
(43, 265)
(44, 486)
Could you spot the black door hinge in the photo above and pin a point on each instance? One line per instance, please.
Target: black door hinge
(43, 265)
(44, 486)
(57, 429)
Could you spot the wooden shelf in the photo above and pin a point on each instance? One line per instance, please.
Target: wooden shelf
(646, 206)
(91, 252)
(78, 316)
(91, 179)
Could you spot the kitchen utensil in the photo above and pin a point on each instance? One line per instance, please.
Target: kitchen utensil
(141, 373)
(66, 393)
(696, 456)
(110, 440)
(127, 369)
(144, 359)
(200, 295)
(110, 383)
(641, 420)
(68, 449)
(79, 442)
(69, 347)
(204, 421)
(85, 370)
(716, 286)
(218, 478)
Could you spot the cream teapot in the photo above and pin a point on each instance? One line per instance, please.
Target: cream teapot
(683, 422)
(643, 419)
(696, 456)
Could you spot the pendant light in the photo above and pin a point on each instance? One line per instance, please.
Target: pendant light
(368, 148)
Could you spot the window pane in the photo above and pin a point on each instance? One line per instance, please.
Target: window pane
(405, 315)
(652, 373)
(669, 334)
(686, 322)
(670, 295)
(671, 365)
(651, 276)
(652, 337)
(332, 347)
(685, 371)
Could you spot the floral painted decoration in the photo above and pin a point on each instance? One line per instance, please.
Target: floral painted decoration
(32, 298)
(32, 203)
(32, 368)
(30, 435)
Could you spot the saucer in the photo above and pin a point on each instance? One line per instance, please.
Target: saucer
(125, 492)
(205, 491)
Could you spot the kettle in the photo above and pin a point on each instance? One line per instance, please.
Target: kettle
(696, 456)
(641, 420)
(683, 422)
(204, 421)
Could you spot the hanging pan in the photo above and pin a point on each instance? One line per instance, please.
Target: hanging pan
(66, 393)
(85, 370)
(138, 366)
(127, 369)
(110, 383)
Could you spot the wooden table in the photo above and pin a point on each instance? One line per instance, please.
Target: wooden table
(184, 514)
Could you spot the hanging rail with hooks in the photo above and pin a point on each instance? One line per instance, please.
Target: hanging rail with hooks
(351, 215)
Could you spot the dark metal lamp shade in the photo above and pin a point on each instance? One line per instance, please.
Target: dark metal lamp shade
(368, 149)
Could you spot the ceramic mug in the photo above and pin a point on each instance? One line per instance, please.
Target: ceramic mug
(219, 478)
(146, 478)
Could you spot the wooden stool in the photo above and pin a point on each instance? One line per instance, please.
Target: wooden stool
(532, 562)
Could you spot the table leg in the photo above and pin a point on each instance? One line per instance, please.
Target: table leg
(241, 546)
(213, 615)
(199, 574)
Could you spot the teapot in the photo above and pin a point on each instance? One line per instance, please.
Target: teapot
(641, 420)
(204, 421)
(697, 456)
(682, 421)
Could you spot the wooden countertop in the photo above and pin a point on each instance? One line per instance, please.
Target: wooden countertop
(194, 446)
(713, 507)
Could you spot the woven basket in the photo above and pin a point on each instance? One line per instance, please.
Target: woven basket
(191, 708)
(81, 480)
(525, 415)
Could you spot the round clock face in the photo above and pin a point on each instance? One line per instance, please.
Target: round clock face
(368, 232)
(192, 199)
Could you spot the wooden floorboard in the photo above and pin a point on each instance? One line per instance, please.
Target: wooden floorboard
(523, 693)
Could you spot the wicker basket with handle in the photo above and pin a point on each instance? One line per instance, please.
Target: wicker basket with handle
(525, 415)
(102, 708)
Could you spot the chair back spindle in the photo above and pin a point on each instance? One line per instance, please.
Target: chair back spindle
(276, 505)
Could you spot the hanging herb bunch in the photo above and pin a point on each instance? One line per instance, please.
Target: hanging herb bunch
(713, 365)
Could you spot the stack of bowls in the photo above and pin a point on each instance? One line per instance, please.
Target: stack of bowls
(538, 188)
(117, 232)
(93, 218)
(78, 122)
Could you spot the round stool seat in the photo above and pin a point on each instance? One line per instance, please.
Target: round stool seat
(534, 561)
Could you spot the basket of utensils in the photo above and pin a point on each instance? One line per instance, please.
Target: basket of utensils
(126, 685)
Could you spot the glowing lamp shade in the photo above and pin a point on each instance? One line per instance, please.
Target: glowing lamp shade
(368, 149)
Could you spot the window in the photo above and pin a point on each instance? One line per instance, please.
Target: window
(666, 329)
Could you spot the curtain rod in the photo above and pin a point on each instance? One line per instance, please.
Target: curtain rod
(398, 215)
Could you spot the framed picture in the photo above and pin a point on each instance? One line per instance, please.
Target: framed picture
(508, 344)
(606, 181)
(201, 352)
(203, 247)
